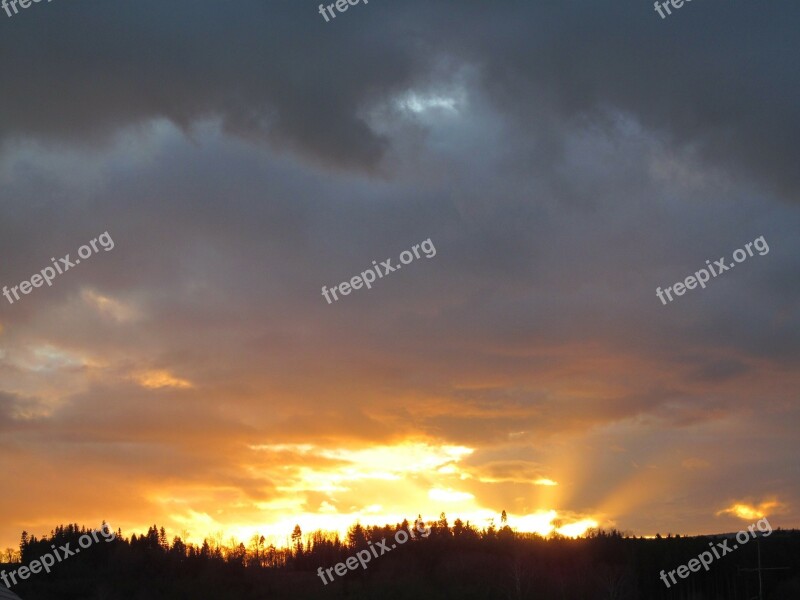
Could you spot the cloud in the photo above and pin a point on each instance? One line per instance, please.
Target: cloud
(160, 378)
(750, 512)
(253, 68)
(245, 157)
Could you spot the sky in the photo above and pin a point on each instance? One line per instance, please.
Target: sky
(563, 159)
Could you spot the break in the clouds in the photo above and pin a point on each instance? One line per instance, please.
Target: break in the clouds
(564, 161)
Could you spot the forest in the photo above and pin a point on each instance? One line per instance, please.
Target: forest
(458, 561)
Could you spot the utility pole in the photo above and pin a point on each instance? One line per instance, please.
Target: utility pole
(760, 586)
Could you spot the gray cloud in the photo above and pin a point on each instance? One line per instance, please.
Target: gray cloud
(717, 78)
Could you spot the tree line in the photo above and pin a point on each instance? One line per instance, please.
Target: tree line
(458, 561)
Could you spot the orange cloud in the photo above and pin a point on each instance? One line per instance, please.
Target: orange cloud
(161, 378)
(750, 512)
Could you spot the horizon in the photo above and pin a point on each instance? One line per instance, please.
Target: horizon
(220, 539)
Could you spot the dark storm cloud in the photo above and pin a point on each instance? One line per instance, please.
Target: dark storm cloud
(266, 68)
(716, 76)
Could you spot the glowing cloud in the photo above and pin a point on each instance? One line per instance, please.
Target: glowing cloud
(389, 463)
(749, 512)
(545, 482)
(540, 522)
(418, 103)
(156, 379)
(577, 528)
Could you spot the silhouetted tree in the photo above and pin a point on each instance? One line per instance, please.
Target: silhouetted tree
(470, 564)
(297, 540)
